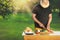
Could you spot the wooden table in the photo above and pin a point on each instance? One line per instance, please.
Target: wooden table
(42, 37)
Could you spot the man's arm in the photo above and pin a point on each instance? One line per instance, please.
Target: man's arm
(49, 21)
(36, 20)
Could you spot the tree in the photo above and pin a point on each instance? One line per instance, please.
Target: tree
(5, 7)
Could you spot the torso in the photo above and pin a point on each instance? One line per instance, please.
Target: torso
(42, 14)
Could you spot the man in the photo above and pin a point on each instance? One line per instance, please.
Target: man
(42, 15)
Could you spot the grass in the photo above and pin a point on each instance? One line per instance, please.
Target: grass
(12, 27)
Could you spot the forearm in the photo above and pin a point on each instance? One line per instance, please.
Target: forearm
(35, 19)
(50, 19)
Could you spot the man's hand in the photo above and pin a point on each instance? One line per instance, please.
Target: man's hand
(49, 30)
(48, 26)
(41, 25)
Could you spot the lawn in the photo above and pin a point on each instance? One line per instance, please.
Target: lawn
(11, 27)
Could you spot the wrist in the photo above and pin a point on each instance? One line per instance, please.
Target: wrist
(40, 23)
(48, 24)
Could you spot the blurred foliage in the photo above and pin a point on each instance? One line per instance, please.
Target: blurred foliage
(55, 3)
(5, 7)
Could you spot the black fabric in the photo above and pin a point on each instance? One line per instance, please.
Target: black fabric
(41, 14)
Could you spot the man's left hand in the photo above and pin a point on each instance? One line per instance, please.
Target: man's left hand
(48, 26)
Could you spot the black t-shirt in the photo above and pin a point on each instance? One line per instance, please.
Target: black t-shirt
(41, 14)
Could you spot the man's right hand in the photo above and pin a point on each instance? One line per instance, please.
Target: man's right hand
(41, 25)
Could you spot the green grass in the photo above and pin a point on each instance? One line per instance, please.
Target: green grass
(12, 27)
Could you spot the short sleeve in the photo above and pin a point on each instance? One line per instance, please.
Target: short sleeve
(34, 10)
(50, 10)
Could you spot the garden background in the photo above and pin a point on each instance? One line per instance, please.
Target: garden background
(16, 15)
